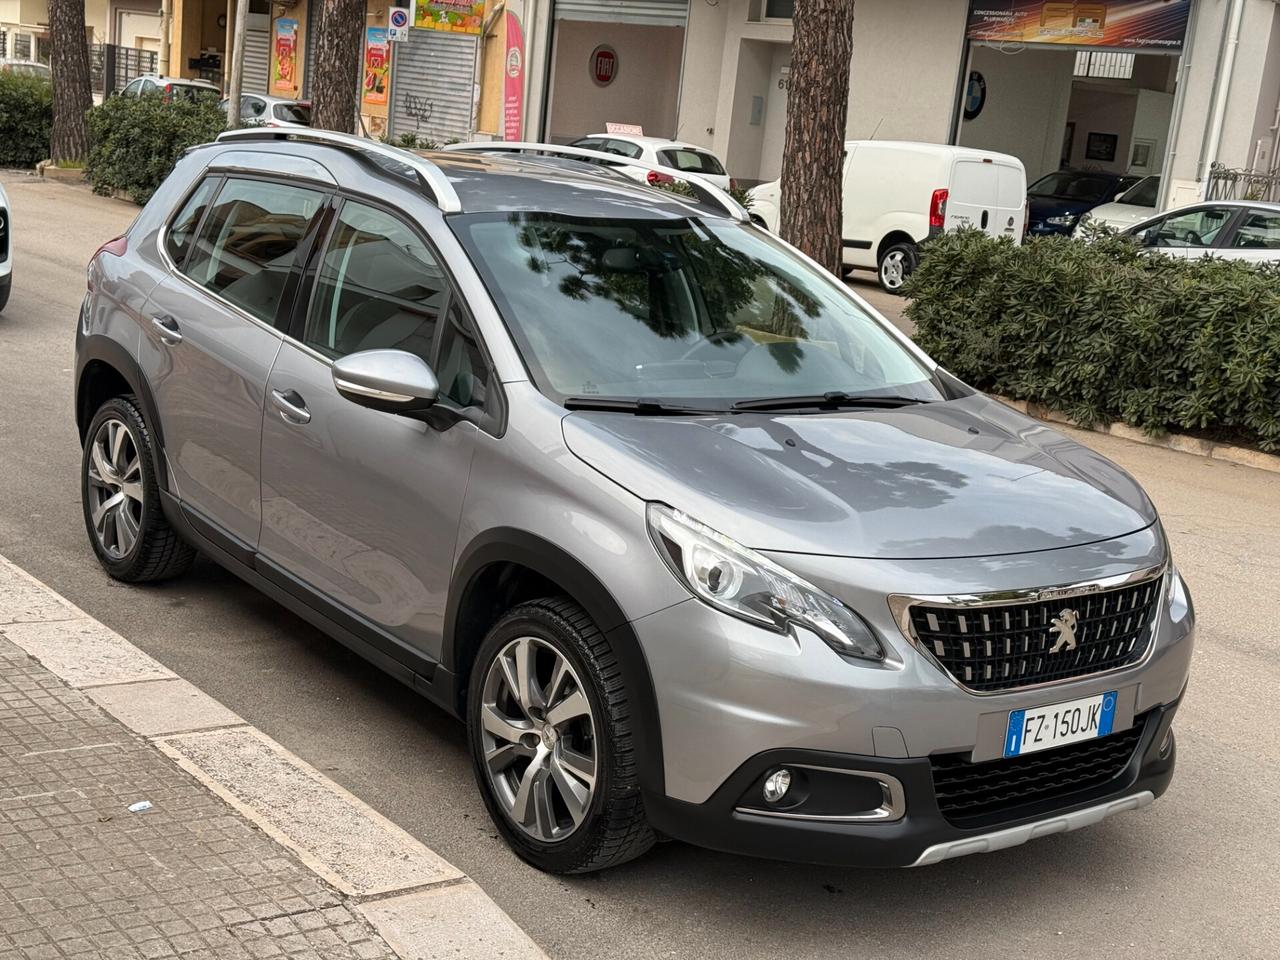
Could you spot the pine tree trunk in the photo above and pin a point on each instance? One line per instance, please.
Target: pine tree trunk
(72, 96)
(817, 105)
(340, 45)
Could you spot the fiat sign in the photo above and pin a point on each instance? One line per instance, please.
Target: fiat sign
(604, 65)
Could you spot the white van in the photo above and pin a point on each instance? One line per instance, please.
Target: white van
(897, 194)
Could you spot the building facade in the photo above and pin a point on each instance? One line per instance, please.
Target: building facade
(1128, 86)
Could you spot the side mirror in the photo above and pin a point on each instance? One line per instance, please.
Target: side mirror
(394, 381)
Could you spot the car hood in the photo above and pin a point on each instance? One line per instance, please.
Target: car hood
(1121, 214)
(963, 478)
(1043, 207)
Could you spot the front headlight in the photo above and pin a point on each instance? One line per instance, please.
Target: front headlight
(1063, 221)
(747, 585)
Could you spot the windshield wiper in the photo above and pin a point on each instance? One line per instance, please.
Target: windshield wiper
(833, 400)
(640, 407)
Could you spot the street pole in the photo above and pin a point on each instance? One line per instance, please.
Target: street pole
(237, 64)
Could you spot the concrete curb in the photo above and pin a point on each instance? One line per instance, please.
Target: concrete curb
(421, 905)
(1182, 443)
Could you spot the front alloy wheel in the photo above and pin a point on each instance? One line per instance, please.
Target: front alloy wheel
(539, 739)
(553, 740)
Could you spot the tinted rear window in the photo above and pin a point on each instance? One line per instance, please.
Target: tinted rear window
(692, 161)
(293, 113)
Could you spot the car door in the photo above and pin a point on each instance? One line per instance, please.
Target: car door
(361, 507)
(210, 339)
(1255, 237)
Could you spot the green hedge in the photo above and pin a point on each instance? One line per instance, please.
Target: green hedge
(1106, 331)
(137, 140)
(26, 119)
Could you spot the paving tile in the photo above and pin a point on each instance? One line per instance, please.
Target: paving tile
(163, 706)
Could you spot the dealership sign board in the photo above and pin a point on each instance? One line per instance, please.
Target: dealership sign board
(1156, 26)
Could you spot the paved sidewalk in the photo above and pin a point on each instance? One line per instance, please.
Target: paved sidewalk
(243, 851)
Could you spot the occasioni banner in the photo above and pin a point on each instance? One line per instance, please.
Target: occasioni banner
(1154, 25)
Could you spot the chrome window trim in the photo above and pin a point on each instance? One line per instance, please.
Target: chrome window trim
(893, 806)
(901, 604)
(348, 387)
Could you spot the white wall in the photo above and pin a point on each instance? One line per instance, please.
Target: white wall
(1151, 122)
(746, 139)
(906, 63)
(1028, 94)
(644, 90)
(700, 89)
(1102, 110)
(775, 114)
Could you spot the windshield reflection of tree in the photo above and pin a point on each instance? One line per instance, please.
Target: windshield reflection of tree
(647, 271)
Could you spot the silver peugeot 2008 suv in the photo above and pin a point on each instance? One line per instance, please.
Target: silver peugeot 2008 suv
(695, 543)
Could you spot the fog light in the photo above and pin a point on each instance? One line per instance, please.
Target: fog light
(776, 786)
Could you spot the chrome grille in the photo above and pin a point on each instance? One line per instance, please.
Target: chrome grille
(989, 647)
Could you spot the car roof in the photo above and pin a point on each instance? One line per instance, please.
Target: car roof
(658, 143)
(498, 183)
(188, 81)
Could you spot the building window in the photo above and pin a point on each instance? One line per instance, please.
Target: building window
(779, 9)
(1109, 66)
(22, 46)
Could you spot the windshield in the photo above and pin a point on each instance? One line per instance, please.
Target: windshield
(1143, 194)
(1074, 186)
(704, 313)
(293, 113)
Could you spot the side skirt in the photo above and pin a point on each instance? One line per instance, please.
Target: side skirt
(384, 651)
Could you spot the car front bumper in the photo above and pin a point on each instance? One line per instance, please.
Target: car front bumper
(735, 702)
(922, 835)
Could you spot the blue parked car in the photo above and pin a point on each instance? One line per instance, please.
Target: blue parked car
(1057, 201)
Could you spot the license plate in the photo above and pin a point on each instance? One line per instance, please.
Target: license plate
(1058, 724)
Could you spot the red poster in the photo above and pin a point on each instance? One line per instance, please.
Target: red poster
(513, 100)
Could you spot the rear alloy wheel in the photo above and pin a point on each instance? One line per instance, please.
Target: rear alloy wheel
(128, 530)
(896, 264)
(551, 739)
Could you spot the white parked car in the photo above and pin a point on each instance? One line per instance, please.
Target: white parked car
(6, 249)
(898, 194)
(1134, 205)
(258, 109)
(1231, 229)
(684, 157)
(171, 87)
(25, 68)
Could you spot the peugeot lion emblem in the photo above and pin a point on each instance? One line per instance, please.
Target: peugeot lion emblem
(1064, 625)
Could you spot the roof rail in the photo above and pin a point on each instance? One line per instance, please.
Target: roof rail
(707, 192)
(430, 175)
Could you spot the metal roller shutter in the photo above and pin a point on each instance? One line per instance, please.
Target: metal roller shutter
(654, 13)
(257, 61)
(432, 88)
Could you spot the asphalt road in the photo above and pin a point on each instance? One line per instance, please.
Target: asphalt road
(1197, 874)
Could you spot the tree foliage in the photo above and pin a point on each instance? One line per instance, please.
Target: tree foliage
(26, 119)
(137, 140)
(1107, 331)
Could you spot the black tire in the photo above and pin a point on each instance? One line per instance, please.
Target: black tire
(615, 828)
(5, 286)
(157, 551)
(896, 264)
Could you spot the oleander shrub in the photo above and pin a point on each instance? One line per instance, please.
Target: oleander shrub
(1104, 330)
(26, 119)
(135, 141)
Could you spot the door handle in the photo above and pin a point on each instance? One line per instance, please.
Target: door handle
(986, 218)
(293, 409)
(168, 328)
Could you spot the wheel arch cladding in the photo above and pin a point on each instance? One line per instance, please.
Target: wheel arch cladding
(890, 239)
(106, 370)
(504, 567)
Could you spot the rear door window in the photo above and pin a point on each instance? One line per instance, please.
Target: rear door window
(250, 241)
(1258, 230)
(692, 161)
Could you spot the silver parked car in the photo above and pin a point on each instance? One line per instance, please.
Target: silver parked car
(696, 544)
(6, 248)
